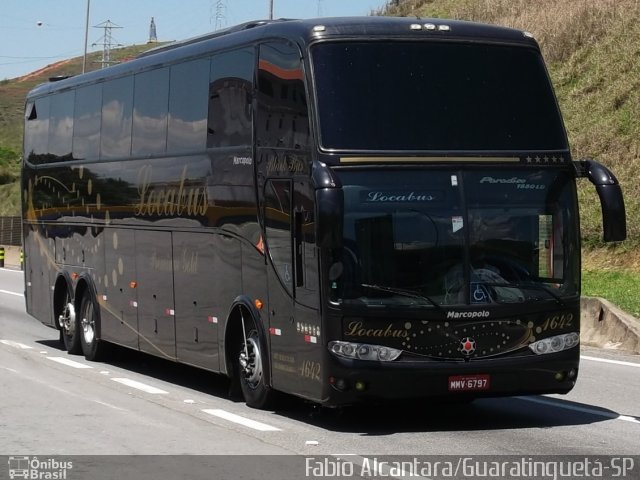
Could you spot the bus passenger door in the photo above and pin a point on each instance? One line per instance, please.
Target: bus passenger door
(283, 153)
(280, 280)
(154, 284)
(294, 319)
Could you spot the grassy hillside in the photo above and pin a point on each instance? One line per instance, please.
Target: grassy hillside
(593, 51)
(12, 95)
(592, 48)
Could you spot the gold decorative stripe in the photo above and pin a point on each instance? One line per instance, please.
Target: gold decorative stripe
(428, 159)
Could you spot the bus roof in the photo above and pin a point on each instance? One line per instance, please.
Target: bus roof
(303, 32)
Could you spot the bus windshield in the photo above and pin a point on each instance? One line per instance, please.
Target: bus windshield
(428, 95)
(449, 237)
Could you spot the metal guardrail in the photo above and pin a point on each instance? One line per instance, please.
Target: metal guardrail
(11, 231)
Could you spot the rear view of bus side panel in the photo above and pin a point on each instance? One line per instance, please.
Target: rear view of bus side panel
(39, 270)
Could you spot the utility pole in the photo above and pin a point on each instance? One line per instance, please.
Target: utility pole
(107, 42)
(270, 9)
(86, 38)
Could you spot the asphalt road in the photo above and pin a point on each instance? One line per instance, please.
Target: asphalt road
(58, 404)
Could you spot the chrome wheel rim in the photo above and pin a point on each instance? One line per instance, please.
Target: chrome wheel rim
(88, 325)
(67, 319)
(251, 362)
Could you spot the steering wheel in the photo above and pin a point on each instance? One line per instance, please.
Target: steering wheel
(508, 268)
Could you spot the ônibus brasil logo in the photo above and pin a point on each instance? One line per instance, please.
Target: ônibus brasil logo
(33, 468)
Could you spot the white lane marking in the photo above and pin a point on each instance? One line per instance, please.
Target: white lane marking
(606, 360)
(12, 270)
(10, 369)
(576, 408)
(109, 405)
(11, 343)
(69, 363)
(12, 293)
(232, 417)
(140, 386)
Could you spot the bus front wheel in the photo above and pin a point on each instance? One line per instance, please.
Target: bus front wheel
(250, 364)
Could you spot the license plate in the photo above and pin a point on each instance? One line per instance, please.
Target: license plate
(469, 383)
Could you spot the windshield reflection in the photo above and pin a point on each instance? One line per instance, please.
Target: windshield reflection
(427, 241)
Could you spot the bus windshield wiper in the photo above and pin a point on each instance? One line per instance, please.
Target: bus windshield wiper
(403, 292)
(524, 286)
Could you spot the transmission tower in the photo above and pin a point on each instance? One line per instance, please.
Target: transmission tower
(107, 42)
(218, 17)
(153, 36)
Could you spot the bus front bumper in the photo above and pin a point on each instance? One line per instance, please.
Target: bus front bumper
(354, 381)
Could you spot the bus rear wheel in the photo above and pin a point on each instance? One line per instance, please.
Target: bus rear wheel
(69, 328)
(92, 346)
(250, 364)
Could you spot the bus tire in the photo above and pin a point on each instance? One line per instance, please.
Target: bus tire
(92, 346)
(69, 327)
(250, 363)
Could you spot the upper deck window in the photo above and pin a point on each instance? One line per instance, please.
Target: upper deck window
(188, 89)
(230, 90)
(434, 96)
(87, 118)
(283, 117)
(117, 110)
(150, 111)
(61, 125)
(36, 130)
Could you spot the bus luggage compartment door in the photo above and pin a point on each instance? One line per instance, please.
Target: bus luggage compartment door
(154, 284)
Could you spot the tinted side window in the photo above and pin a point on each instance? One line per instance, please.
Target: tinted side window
(87, 116)
(277, 216)
(61, 126)
(37, 130)
(188, 91)
(117, 107)
(283, 114)
(151, 105)
(230, 88)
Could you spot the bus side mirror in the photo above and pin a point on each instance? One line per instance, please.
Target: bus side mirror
(614, 221)
(330, 207)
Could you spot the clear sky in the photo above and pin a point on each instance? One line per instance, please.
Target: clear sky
(36, 33)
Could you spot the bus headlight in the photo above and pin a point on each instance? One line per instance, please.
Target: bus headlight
(555, 344)
(364, 351)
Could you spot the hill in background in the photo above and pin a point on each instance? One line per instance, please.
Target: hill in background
(592, 48)
(12, 95)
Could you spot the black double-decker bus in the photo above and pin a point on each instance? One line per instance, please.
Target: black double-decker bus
(339, 209)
